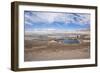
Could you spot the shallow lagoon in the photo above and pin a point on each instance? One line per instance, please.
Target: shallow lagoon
(71, 41)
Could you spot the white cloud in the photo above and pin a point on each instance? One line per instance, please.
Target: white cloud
(28, 23)
(81, 19)
(85, 19)
(50, 17)
(46, 31)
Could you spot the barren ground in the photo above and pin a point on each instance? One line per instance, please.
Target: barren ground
(42, 51)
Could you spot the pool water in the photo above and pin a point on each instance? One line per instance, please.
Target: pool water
(71, 41)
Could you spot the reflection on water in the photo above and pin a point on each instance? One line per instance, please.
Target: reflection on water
(71, 41)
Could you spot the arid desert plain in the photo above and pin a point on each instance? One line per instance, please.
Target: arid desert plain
(56, 46)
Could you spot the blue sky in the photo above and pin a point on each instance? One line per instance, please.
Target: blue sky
(37, 20)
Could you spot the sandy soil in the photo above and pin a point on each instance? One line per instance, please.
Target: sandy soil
(43, 51)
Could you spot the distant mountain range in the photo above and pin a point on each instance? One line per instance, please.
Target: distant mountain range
(44, 32)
